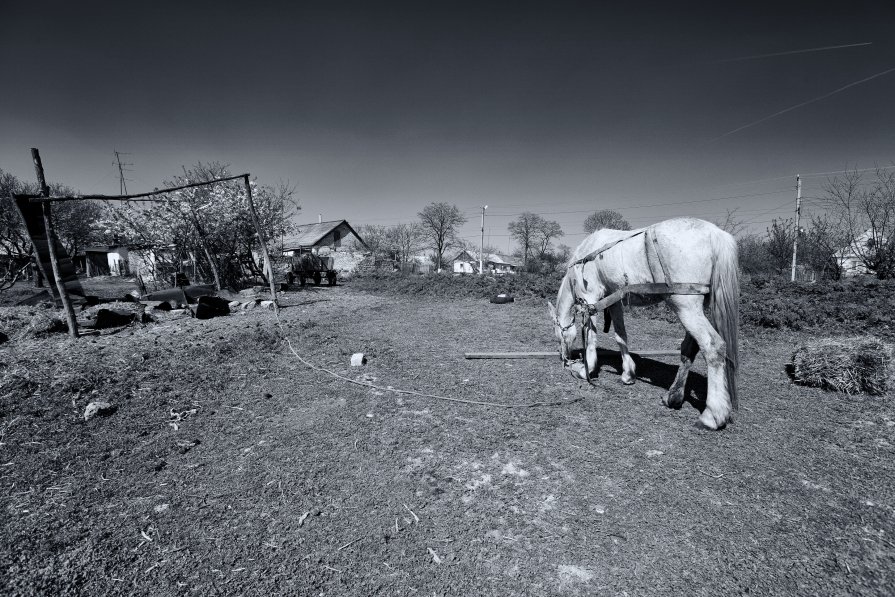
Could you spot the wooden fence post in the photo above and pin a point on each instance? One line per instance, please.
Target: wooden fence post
(51, 241)
(261, 240)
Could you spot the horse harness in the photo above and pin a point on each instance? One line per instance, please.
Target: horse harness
(588, 310)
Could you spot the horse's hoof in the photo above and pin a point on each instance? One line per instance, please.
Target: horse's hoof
(628, 382)
(674, 401)
(707, 421)
(578, 371)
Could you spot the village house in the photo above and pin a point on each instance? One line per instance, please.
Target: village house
(335, 238)
(849, 257)
(467, 262)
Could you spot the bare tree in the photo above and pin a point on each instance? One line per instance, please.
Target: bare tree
(780, 237)
(867, 213)
(605, 218)
(821, 246)
(440, 222)
(524, 230)
(377, 239)
(548, 230)
(731, 223)
(405, 240)
(753, 255)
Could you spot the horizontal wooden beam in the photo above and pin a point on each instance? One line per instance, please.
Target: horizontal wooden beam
(137, 197)
(603, 352)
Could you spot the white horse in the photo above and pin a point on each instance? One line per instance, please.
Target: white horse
(691, 264)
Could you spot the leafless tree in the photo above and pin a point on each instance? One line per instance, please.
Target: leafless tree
(524, 230)
(731, 223)
(546, 233)
(440, 222)
(405, 240)
(377, 239)
(605, 218)
(866, 212)
(779, 241)
(821, 244)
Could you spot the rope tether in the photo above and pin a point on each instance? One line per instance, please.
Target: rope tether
(411, 392)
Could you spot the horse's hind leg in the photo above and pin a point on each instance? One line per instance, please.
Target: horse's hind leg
(675, 396)
(718, 406)
(617, 312)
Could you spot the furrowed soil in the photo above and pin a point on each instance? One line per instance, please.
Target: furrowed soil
(231, 468)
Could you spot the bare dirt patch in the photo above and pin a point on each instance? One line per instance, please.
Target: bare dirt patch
(230, 468)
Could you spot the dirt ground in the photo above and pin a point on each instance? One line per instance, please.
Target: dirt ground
(230, 468)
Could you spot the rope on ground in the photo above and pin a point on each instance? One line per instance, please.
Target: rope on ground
(411, 392)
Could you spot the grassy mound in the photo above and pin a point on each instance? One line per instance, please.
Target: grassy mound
(855, 306)
(860, 305)
(850, 365)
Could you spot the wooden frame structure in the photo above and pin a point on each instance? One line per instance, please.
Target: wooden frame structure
(45, 199)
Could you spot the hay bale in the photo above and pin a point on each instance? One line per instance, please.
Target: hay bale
(850, 365)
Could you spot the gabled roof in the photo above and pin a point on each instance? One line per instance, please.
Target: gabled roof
(495, 258)
(308, 235)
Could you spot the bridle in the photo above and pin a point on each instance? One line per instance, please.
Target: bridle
(581, 307)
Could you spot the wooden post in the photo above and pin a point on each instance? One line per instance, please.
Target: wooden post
(795, 238)
(51, 241)
(261, 240)
(603, 352)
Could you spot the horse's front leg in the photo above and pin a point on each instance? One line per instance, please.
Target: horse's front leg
(591, 358)
(629, 369)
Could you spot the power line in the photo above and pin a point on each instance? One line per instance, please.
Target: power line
(805, 51)
(647, 206)
(801, 104)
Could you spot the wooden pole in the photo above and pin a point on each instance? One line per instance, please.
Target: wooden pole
(555, 354)
(51, 241)
(261, 240)
(795, 238)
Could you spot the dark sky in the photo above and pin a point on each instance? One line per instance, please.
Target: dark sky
(374, 109)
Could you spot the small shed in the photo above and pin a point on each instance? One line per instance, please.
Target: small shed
(313, 237)
(107, 260)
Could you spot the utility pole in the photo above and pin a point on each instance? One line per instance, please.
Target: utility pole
(795, 240)
(482, 245)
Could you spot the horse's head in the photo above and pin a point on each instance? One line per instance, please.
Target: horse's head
(563, 317)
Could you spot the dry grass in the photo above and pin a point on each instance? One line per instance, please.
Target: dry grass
(850, 365)
(252, 474)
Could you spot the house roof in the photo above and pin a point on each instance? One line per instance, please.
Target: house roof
(308, 235)
(495, 258)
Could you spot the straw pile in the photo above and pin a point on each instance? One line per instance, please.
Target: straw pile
(850, 365)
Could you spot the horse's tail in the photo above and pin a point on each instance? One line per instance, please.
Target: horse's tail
(725, 303)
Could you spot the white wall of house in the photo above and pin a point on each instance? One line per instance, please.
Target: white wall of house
(464, 267)
(118, 263)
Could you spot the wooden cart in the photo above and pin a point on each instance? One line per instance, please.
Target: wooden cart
(309, 266)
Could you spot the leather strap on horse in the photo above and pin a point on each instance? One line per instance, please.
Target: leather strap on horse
(651, 236)
(654, 288)
(594, 254)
